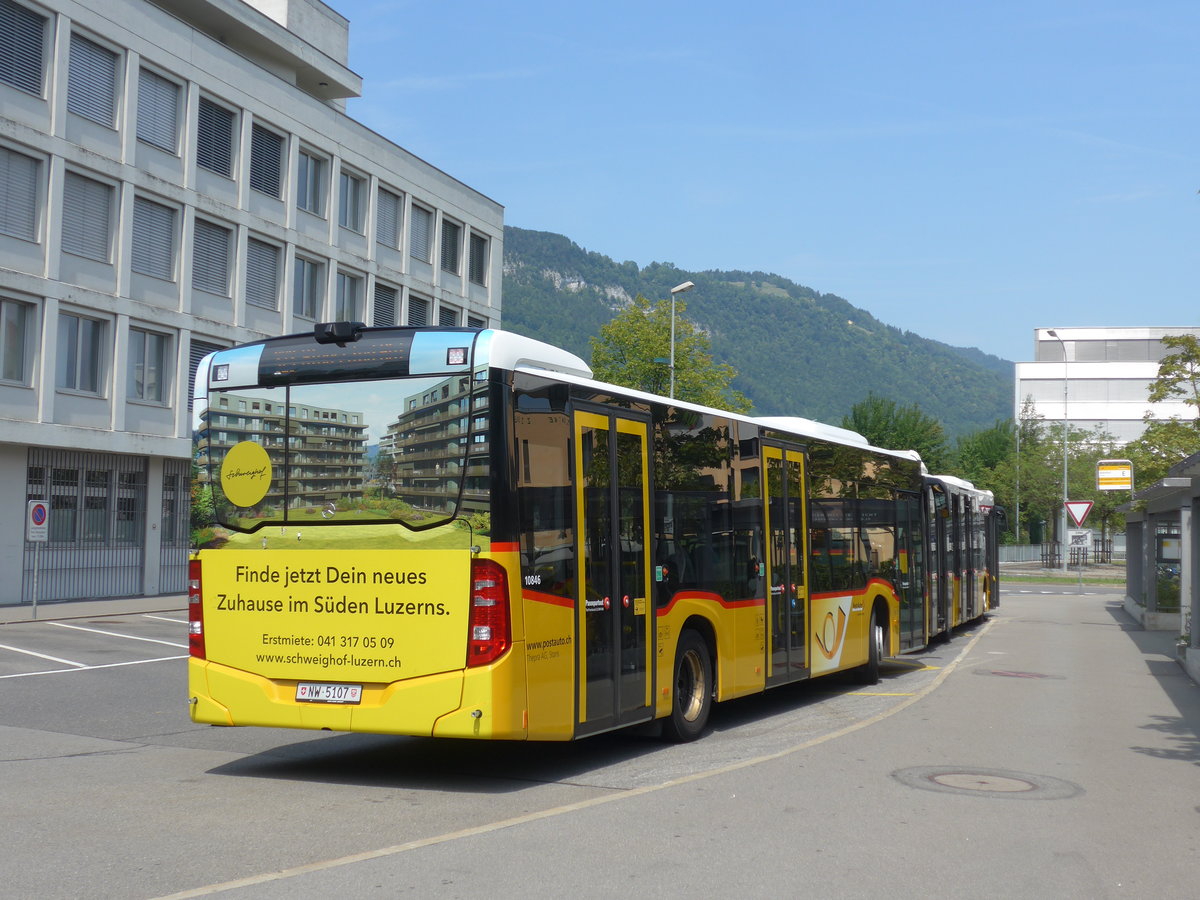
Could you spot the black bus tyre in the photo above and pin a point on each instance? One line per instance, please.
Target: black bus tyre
(692, 689)
(869, 673)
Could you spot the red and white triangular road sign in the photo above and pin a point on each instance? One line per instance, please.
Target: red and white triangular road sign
(1078, 510)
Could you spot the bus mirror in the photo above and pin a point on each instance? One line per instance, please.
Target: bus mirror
(337, 332)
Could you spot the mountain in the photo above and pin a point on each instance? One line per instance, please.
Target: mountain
(797, 351)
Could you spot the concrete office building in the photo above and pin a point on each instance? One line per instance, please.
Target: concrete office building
(178, 176)
(1107, 374)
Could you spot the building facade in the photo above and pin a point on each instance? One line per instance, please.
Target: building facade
(1097, 378)
(178, 176)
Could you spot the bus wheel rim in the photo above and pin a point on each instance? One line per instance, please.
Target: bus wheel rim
(691, 685)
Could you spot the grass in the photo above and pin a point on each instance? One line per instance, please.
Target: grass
(1010, 577)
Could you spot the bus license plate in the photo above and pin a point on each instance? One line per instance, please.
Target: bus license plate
(324, 692)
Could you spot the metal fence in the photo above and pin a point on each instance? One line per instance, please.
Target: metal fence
(96, 545)
(1049, 555)
(174, 533)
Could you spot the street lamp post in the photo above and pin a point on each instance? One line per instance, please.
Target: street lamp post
(1065, 540)
(678, 289)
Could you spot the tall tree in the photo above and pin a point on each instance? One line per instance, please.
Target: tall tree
(885, 424)
(1179, 373)
(631, 350)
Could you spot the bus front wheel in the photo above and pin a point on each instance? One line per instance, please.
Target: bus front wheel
(692, 693)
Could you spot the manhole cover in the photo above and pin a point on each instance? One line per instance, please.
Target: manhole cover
(993, 782)
(987, 782)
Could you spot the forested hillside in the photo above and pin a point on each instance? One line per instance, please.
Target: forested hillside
(797, 351)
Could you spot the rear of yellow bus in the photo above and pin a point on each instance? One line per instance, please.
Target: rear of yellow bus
(347, 577)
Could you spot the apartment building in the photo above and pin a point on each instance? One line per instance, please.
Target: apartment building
(1098, 378)
(178, 176)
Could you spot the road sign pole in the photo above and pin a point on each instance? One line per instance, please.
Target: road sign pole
(37, 532)
(37, 553)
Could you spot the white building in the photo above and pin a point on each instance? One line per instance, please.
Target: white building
(1106, 374)
(176, 176)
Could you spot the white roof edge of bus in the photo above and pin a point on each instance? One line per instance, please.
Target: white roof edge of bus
(513, 351)
(814, 428)
(955, 481)
(817, 429)
(967, 487)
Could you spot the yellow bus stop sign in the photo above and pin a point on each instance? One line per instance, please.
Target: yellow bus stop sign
(1114, 475)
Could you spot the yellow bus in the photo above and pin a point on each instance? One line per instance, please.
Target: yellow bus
(459, 532)
(962, 536)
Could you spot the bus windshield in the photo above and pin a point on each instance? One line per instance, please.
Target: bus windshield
(410, 451)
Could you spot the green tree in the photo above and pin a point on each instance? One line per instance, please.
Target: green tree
(885, 424)
(1179, 373)
(1161, 445)
(630, 348)
(976, 455)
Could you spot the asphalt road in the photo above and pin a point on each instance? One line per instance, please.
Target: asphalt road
(1050, 751)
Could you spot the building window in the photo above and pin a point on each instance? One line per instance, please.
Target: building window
(210, 258)
(478, 262)
(418, 310)
(310, 183)
(64, 503)
(87, 218)
(262, 274)
(266, 161)
(387, 219)
(153, 239)
(158, 111)
(16, 340)
(92, 81)
(448, 316)
(418, 235)
(214, 138)
(149, 365)
(197, 350)
(451, 246)
(80, 353)
(385, 304)
(349, 298)
(96, 491)
(308, 289)
(18, 194)
(476, 322)
(23, 42)
(130, 487)
(351, 196)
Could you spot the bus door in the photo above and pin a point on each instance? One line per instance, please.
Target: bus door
(940, 581)
(971, 581)
(787, 563)
(910, 579)
(614, 613)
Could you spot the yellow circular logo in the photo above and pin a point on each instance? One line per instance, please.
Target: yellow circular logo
(246, 474)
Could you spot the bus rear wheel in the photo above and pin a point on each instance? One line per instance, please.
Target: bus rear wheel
(692, 689)
(869, 673)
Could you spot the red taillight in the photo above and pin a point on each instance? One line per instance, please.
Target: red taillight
(489, 632)
(195, 612)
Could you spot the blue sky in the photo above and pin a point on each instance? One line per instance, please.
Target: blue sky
(966, 171)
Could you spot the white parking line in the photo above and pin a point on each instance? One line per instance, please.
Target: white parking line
(65, 662)
(132, 637)
(83, 668)
(164, 619)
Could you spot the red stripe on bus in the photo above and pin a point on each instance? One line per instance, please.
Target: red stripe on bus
(550, 599)
(712, 598)
(505, 546)
(854, 592)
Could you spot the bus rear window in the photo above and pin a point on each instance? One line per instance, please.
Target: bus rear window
(411, 451)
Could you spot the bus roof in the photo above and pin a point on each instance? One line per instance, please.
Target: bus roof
(796, 425)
